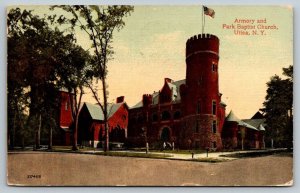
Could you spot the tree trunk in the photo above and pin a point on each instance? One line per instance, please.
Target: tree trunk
(50, 139)
(12, 133)
(106, 145)
(23, 142)
(38, 134)
(75, 148)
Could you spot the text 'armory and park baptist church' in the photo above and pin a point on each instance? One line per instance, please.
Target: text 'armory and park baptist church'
(250, 27)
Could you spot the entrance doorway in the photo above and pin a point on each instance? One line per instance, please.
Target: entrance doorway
(165, 134)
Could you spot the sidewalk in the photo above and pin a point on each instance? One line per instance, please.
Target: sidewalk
(222, 156)
(214, 155)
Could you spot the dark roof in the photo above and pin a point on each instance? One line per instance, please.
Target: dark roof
(258, 115)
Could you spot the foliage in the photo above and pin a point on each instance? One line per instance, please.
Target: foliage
(99, 23)
(278, 109)
(41, 60)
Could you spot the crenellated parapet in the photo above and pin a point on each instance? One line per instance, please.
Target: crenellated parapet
(202, 43)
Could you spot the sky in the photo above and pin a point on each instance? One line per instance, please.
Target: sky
(151, 47)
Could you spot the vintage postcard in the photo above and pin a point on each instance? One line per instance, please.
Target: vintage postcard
(197, 95)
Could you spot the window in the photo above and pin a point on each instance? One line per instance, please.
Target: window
(200, 80)
(165, 115)
(66, 106)
(214, 126)
(214, 107)
(197, 144)
(213, 145)
(198, 107)
(197, 127)
(177, 115)
(214, 67)
(154, 117)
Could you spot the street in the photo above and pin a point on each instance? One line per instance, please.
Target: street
(71, 169)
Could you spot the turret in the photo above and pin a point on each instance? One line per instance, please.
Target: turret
(200, 95)
(202, 82)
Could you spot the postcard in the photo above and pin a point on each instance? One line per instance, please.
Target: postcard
(122, 95)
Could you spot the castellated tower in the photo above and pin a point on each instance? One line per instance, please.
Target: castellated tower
(203, 115)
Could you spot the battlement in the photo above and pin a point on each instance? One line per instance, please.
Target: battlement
(205, 43)
(203, 36)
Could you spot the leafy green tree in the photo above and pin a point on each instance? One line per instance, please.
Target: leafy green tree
(99, 23)
(278, 109)
(74, 76)
(37, 55)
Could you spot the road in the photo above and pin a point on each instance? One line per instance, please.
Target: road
(93, 170)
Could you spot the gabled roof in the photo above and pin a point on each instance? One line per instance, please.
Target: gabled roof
(233, 118)
(174, 86)
(257, 123)
(258, 115)
(137, 105)
(242, 123)
(97, 113)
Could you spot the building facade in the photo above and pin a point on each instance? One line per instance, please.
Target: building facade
(91, 130)
(188, 113)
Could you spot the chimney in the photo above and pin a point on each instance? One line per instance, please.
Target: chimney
(120, 99)
(169, 80)
(147, 100)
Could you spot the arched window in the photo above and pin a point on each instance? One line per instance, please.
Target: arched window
(165, 115)
(177, 115)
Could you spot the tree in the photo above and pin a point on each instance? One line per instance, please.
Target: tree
(99, 23)
(37, 55)
(278, 108)
(75, 75)
(26, 63)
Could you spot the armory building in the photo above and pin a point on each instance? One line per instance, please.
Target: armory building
(190, 113)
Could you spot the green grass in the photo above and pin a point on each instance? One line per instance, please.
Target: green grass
(180, 151)
(208, 159)
(62, 148)
(133, 154)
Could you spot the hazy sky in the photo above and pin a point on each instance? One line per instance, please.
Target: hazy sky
(152, 46)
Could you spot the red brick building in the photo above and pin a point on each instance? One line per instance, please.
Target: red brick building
(65, 119)
(188, 112)
(91, 122)
(91, 131)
